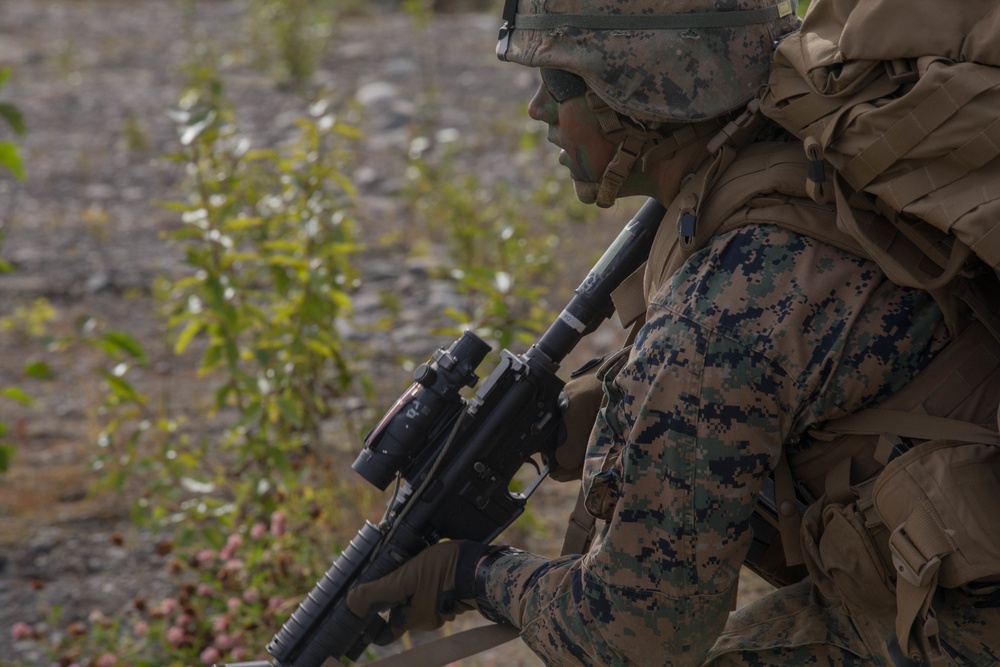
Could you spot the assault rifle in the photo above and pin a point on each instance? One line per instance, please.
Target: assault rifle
(453, 459)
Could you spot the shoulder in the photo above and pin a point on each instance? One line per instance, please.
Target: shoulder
(772, 291)
(761, 274)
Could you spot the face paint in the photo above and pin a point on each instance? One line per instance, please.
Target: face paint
(574, 127)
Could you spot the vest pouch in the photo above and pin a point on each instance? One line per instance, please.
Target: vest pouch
(602, 468)
(839, 545)
(941, 502)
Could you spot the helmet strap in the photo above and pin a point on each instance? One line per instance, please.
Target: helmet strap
(636, 144)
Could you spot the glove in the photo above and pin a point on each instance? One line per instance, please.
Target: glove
(425, 592)
(584, 396)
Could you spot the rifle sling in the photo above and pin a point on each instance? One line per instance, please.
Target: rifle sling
(445, 650)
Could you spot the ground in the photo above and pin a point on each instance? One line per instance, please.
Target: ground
(94, 79)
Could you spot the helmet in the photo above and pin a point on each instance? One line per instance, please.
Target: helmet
(650, 60)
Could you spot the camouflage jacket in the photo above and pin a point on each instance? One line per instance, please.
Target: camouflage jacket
(760, 335)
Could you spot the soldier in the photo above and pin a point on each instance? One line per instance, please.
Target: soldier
(754, 334)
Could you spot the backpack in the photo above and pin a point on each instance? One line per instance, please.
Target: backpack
(896, 102)
(901, 98)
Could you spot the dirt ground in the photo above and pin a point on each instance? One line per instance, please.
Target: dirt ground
(94, 79)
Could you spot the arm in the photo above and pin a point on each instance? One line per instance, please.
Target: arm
(744, 351)
(697, 424)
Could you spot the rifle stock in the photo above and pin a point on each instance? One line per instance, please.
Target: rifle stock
(455, 458)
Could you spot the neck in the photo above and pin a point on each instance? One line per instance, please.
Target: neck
(662, 179)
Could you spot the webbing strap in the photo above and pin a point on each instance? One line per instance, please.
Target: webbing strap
(917, 547)
(789, 521)
(975, 153)
(579, 529)
(901, 263)
(961, 88)
(629, 298)
(655, 21)
(445, 650)
(875, 421)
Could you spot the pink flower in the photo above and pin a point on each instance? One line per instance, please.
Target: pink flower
(233, 544)
(233, 605)
(140, 629)
(106, 660)
(210, 655)
(205, 590)
(175, 636)
(278, 524)
(251, 595)
(205, 556)
(21, 630)
(258, 531)
(233, 565)
(274, 603)
(224, 642)
(167, 607)
(221, 623)
(240, 653)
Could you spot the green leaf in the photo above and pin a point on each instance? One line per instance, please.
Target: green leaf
(13, 117)
(17, 394)
(6, 456)
(192, 329)
(196, 128)
(119, 340)
(122, 389)
(291, 411)
(11, 159)
(39, 370)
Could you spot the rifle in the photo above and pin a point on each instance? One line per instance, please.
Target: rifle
(453, 459)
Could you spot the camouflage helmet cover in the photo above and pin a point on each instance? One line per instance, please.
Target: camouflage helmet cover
(682, 60)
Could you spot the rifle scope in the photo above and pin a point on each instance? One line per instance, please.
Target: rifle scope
(402, 435)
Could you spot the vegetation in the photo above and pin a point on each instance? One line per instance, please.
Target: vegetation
(10, 160)
(251, 492)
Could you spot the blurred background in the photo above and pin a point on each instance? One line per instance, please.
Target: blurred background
(230, 231)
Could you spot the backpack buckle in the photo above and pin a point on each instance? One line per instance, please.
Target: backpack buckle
(910, 564)
(901, 71)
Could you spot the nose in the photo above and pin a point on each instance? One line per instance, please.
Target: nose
(542, 107)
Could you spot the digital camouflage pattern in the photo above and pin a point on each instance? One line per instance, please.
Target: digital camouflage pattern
(760, 335)
(690, 73)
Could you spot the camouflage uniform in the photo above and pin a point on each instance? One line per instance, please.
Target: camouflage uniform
(759, 336)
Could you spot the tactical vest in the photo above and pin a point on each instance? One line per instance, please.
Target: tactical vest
(900, 498)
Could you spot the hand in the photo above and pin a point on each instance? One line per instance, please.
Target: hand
(423, 593)
(584, 396)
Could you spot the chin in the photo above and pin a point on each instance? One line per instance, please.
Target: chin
(586, 192)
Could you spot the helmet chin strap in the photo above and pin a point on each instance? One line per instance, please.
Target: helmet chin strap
(635, 144)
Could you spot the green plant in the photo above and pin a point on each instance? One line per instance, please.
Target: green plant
(267, 236)
(293, 33)
(503, 244)
(229, 597)
(29, 324)
(256, 508)
(10, 158)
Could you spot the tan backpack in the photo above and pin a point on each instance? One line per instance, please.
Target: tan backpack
(902, 99)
